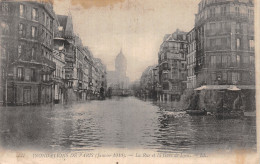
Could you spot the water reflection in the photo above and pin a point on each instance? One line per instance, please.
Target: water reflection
(121, 123)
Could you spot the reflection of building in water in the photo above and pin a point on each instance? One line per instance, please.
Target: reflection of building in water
(117, 79)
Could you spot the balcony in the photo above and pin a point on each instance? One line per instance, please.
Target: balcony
(222, 16)
(223, 31)
(48, 62)
(218, 47)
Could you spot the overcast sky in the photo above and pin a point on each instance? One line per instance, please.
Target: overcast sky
(136, 26)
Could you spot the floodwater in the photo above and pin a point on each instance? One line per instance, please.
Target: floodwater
(120, 123)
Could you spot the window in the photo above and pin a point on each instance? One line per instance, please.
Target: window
(33, 74)
(238, 60)
(50, 40)
(47, 23)
(224, 76)
(5, 28)
(223, 10)
(20, 73)
(212, 26)
(182, 65)
(212, 42)
(233, 60)
(5, 8)
(238, 43)
(238, 28)
(235, 77)
(165, 86)
(218, 42)
(43, 77)
(21, 30)
(237, 11)
(245, 59)
(34, 32)
(251, 45)
(19, 51)
(46, 37)
(3, 52)
(44, 18)
(213, 76)
(224, 61)
(218, 60)
(22, 10)
(35, 14)
(183, 76)
(213, 61)
(33, 53)
(212, 12)
(51, 25)
(224, 41)
(252, 60)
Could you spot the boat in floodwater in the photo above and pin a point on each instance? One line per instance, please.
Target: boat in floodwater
(196, 112)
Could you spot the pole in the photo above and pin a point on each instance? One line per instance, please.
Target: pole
(6, 68)
(6, 88)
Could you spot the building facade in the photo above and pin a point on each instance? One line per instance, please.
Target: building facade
(26, 52)
(65, 40)
(59, 76)
(225, 42)
(117, 80)
(225, 56)
(191, 59)
(172, 66)
(147, 83)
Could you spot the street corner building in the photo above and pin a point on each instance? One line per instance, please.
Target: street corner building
(172, 66)
(225, 42)
(225, 52)
(26, 52)
(43, 61)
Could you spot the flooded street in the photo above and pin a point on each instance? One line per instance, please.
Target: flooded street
(120, 123)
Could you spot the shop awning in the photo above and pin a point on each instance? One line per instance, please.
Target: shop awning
(223, 87)
(246, 86)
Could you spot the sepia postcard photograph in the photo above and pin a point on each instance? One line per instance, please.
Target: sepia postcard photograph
(129, 81)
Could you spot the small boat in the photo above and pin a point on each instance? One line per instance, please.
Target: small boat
(196, 112)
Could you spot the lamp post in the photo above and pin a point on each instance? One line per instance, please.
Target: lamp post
(6, 76)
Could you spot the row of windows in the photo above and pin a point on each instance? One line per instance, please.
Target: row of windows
(203, 3)
(23, 10)
(216, 27)
(230, 60)
(30, 75)
(26, 74)
(216, 42)
(34, 12)
(231, 77)
(21, 50)
(226, 10)
(34, 32)
(22, 31)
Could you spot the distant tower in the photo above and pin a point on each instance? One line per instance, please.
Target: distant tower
(121, 64)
